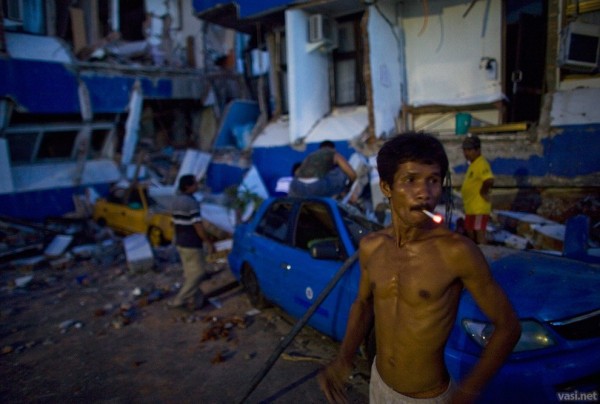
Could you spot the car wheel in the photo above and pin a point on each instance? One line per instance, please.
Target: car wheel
(155, 236)
(252, 288)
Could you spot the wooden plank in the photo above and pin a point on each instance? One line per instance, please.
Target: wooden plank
(584, 6)
(507, 127)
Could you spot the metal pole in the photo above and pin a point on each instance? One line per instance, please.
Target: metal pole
(298, 326)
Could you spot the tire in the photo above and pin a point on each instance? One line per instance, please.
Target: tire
(252, 288)
(155, 236)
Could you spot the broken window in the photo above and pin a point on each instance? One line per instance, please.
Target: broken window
(57, 145)
(98, 140)
(29, 147)
(275, 222)
(35, 144)
(314, 223)
(22, 146)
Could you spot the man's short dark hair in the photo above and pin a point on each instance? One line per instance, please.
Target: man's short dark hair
(422, 148)
(186, 181)
(471, 142)
(327, 143)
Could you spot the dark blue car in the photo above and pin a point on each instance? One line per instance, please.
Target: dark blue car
(292, 248)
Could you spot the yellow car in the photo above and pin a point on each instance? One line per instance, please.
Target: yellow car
(132, 210)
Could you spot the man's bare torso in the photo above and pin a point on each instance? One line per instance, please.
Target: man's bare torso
(415, 297)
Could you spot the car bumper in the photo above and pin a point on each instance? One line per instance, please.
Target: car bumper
(538, 378)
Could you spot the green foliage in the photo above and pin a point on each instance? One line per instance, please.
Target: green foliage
(239, 198)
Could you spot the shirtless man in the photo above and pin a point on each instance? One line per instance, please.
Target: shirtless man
(412, 275)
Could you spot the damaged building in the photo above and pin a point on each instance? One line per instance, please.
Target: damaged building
(97, 92)
(523, 75)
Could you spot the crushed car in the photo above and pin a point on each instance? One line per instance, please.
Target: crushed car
(129, 210)
(292, 247)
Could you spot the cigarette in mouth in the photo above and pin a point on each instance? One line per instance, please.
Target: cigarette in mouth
(434, 217)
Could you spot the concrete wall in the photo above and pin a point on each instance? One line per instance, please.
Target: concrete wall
(444, 51)
(308, 77)
(386, 62)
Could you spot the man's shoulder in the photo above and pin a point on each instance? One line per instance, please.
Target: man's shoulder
(184, 202)
(462, 253)
(481, 161)
(451, 243)
(374, 239)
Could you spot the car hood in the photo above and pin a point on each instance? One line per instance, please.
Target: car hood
(545, 287)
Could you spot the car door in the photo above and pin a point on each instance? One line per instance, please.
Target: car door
(271, 248)
(305, 277)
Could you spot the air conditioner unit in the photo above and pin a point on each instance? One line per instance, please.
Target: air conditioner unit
(321, 29)
(580, 47)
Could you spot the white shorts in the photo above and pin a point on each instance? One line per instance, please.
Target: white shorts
(381, 393)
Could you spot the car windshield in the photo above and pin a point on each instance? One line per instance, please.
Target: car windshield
(357, 224)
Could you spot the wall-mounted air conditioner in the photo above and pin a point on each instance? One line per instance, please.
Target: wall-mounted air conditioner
(580, 47)
(322, 30)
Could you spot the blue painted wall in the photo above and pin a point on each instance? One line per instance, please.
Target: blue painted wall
(240, 116)
(275, 162)
(40, 87)
(246, 8)
(52, 88)
(574, 152)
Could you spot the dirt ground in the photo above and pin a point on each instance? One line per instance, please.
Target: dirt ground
(98, 332)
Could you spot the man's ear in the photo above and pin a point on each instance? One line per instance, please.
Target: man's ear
(385, 189)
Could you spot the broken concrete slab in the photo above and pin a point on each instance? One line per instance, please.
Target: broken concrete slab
(548, 236)
(138, 253)
(58, 246)
(521, 223)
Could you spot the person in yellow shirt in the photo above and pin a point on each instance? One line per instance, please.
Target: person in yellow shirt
(475, 190)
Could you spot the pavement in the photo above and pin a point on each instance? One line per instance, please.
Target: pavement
(95, 331)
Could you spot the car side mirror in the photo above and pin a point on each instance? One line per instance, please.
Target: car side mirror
(326, 249)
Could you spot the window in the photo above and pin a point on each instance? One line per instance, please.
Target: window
(281, 75)
(98, 139)
(57, 145)
(314, 222)
(22, 146)
(357, 225)
(275, 222)
(13, 9)
(347, 63)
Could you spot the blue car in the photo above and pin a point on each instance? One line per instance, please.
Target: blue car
(292, 247)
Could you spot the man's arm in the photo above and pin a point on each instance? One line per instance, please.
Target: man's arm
(485, 189)
(492, 301)
(333, 378)
(203, 234)
(344, 165)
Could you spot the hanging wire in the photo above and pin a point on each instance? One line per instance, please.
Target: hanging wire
(448, 198)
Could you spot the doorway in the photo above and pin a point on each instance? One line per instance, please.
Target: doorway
(525, 53)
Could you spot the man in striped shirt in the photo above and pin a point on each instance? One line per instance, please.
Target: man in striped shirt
(190, 237)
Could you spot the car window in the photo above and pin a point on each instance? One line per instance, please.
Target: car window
(275, 222)
(314, 222)
(357, 224)
(116, 195)
(135, 199)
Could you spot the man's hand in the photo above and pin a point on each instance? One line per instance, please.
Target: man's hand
(332, 380)
(461, 396)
